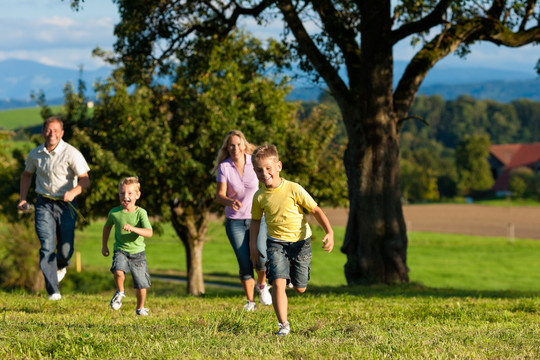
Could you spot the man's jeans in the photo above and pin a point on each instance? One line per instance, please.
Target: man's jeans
(54, 220)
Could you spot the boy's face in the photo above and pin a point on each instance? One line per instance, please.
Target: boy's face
(267, 171)
(128, 196)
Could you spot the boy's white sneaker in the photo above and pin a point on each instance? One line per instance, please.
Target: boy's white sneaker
(142, 312)
(283, 329)
(264, 294)
(116, 301)
(55, 296)
(250, 306)
(60, 273)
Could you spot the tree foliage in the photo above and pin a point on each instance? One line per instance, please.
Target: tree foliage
(472, 164)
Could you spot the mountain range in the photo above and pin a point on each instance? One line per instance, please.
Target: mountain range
(20, 78)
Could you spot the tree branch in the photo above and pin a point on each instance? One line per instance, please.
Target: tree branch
(308, 47)
(529, 10)
(343, 36)
(436, 17)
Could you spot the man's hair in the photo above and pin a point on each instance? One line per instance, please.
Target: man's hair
(264, 152)
(52, 119)
(130, 180)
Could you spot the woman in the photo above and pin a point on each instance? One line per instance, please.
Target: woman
(236, 184)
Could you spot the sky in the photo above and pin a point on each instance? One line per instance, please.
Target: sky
(50, 32)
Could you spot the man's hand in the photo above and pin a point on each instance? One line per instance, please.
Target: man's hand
(23, 205)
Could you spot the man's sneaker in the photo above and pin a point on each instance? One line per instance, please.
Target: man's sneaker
(284, 329)
(142, 312)
(55, 296)
(250, 306)
(264, 294)
(61, 273)
(116, 301)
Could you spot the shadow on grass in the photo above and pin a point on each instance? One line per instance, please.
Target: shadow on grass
(418, 290)
(167, 288)
(222, 285)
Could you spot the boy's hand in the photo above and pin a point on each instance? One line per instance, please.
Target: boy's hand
(328, 242)
(105, 251)
(128, 227)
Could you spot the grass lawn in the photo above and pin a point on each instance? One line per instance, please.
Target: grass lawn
(469, 297)
(22, 118)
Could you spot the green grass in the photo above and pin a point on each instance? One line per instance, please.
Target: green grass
(470, 297)
(436, 260)
(348, 323)
(22, 118)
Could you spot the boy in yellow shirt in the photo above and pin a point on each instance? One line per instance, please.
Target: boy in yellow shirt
(289, 235)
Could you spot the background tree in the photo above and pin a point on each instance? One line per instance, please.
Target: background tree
(472, 164)
(169, 136)
(358, 37)
(523, 183)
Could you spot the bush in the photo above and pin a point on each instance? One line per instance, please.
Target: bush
(522, 183)
(19, 249)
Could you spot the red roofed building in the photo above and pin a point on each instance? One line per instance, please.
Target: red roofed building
(504, 158)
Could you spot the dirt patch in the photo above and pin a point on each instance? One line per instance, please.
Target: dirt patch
(468, 219)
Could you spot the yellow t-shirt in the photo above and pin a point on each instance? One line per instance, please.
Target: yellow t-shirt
(283, 210)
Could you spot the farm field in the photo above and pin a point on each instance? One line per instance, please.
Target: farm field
(469, 219)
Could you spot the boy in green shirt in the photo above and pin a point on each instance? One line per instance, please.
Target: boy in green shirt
(131, 227)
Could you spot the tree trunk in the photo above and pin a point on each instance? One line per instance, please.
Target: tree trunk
(376, 237)
(191, 227)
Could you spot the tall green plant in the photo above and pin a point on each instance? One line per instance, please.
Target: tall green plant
(472, 164)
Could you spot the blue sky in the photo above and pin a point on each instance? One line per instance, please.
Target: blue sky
(48, 31)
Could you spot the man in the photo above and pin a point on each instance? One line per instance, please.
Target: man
(61, 175)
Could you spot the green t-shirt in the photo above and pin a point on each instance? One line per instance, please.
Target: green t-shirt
(125, 240)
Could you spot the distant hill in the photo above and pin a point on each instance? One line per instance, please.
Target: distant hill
(19, 78)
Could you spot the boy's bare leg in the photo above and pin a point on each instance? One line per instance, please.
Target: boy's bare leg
(248, 286)
(261, 277)
(119, 277)
(141, 296)
(279, 299)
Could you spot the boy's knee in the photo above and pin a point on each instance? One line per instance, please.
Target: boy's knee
(300, 290)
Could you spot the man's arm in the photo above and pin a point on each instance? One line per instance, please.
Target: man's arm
(26, 180)
(83, 184)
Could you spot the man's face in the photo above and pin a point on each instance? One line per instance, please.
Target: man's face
(52, 133)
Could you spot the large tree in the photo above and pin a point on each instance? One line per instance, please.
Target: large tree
(358, 37)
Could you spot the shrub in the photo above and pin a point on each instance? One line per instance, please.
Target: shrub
(19, 249)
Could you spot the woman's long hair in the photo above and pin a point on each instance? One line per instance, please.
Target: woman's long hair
(223, 152)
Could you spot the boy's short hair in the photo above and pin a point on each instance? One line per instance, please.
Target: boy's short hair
(264, 152)
(130, 180)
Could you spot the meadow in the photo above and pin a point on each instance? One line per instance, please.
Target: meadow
(22, 118)
(469, 297)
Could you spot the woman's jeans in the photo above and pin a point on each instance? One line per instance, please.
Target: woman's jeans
(238, 234)
(54, 220)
